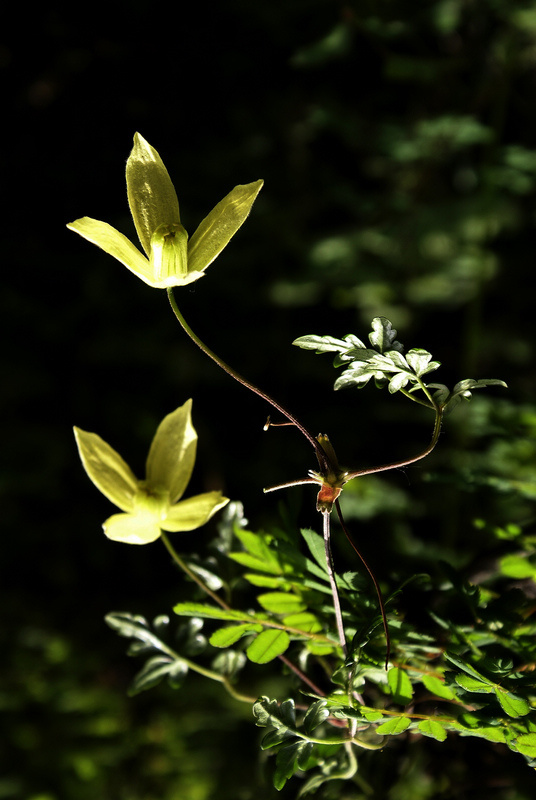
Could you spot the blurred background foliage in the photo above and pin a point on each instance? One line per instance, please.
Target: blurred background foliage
(397, 141)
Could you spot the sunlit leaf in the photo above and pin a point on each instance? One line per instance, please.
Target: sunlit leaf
(512, 704)
(281, 602)
(394, 726)
(268, 645)
(225, 637)
(433, 729)
(400, 685)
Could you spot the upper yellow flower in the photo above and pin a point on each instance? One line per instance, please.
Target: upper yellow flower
(151, 505)
(171, 260)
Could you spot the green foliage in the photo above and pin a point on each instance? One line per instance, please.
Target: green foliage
(471, 677)
(387, 364)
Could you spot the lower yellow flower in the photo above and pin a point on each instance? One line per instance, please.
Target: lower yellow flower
(154, 504)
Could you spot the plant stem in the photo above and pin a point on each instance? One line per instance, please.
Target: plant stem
(374, 581)
(191, 574)
(322, 458)
(326, 517)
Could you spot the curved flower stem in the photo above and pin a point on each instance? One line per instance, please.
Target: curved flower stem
(322, 458)
(406, 461)
(326, 518)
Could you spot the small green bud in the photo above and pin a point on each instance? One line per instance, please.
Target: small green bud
(169, 252)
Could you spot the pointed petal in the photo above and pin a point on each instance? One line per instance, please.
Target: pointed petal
(172, 455)
(115, 244)
(218, 228)
(151, 195)
(194, 512)
(132, 528)
(110, 474)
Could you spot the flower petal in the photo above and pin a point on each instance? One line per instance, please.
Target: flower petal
(132, 528)
(151, 195)
(194, 512)
(218, 228)
(115, 244)
(110, 474)
(172, 455)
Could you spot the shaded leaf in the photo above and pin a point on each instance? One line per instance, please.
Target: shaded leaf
(316, 714)
(437, 687)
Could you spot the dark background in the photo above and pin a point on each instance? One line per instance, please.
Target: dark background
(396, 141)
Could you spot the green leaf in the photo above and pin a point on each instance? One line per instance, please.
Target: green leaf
(320, 648)
(420, 361)
(288, 761)
(465, 666)
(268, 645)
(400, 685)
(512, 704)
(437, 687)
(270, 712)
(433, 729)
(154, 670)
(471, 684)
(398, 382)
(518, 567)
(526, 744)
(225, 637)
(394, 726)
(322, 344)
(213, 612)
(489, 732)
(316, 546)
(463, 390)
(383, 336)
(316, 714)
(135, 627)
(304, 621)
(259, 555)
(281, 603)
(266, 581)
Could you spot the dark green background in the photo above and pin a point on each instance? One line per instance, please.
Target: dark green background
(396, 141)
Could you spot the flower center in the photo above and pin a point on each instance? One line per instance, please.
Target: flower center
(151, 500)
(169, 251)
